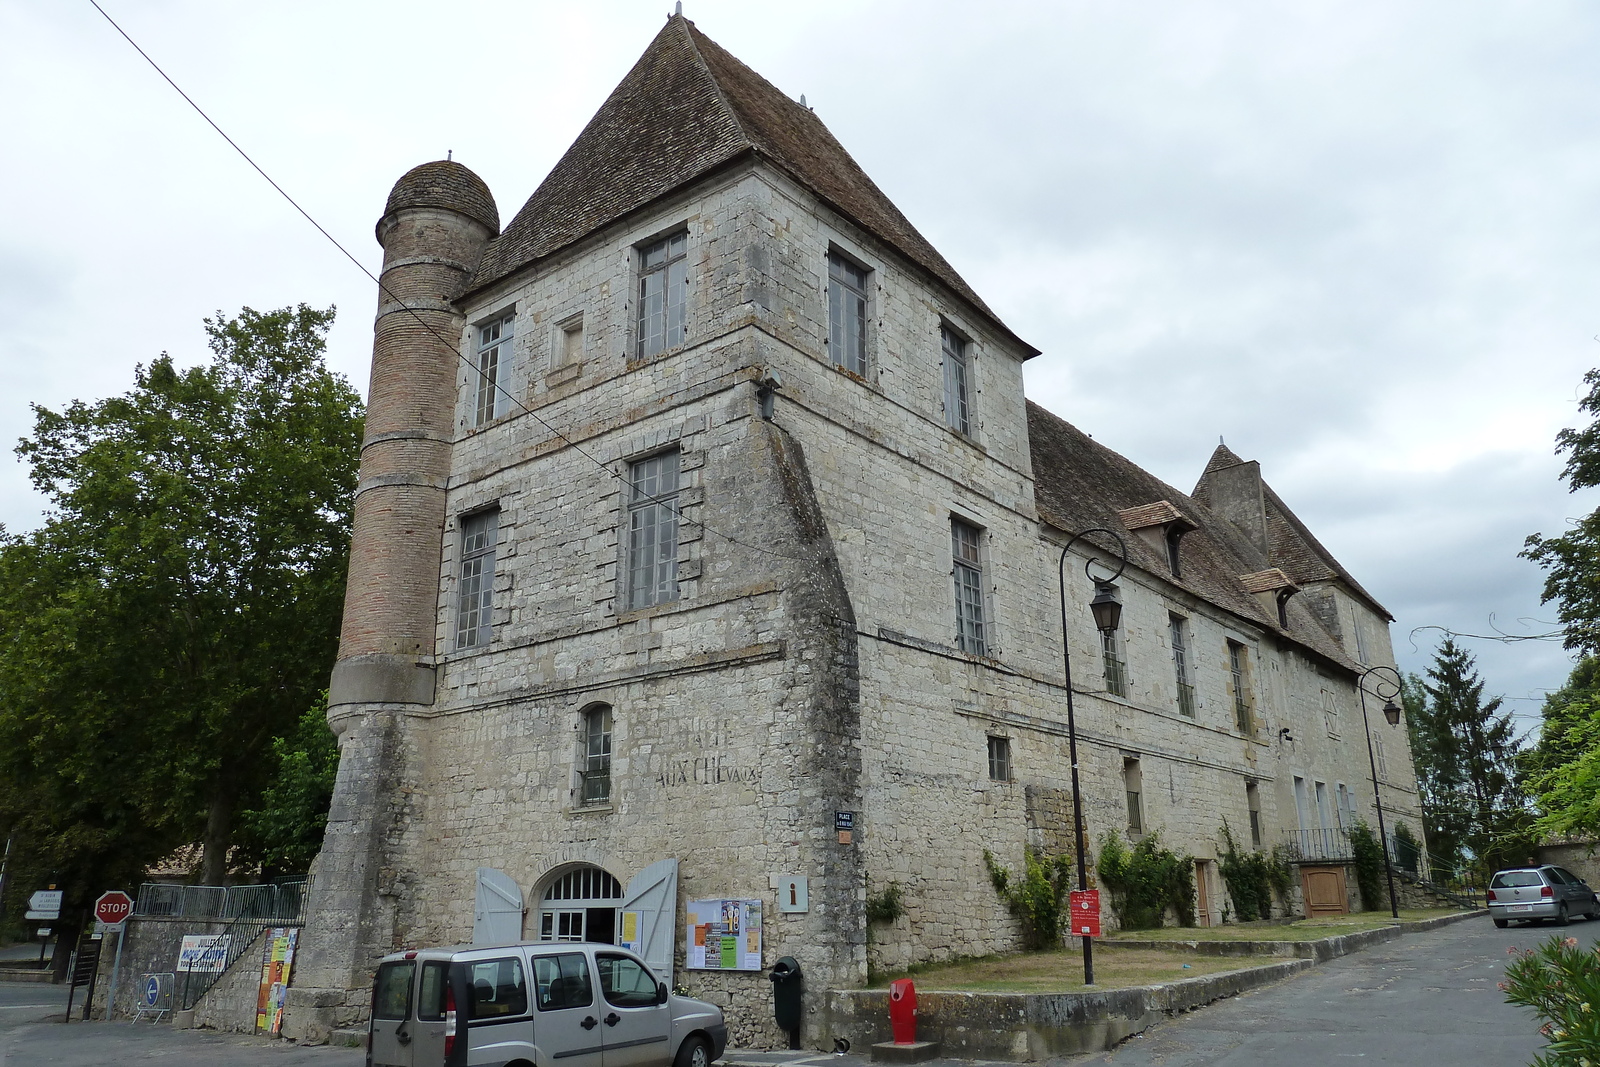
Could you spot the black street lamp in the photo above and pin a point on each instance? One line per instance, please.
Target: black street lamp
(1107, 611)
(1391, 712)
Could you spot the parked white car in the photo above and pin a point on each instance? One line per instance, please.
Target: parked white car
(535, 1004)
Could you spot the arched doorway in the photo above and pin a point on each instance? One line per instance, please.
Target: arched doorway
(580, 905)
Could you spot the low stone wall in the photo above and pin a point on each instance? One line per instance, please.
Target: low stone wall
(1022, 1027)
(1320, 950)
(151, 945)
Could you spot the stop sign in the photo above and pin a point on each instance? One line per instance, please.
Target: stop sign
(113, 908)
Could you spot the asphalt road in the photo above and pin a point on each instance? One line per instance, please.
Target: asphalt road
(1424, 999)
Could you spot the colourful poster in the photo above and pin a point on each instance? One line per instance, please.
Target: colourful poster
(277, 959)
(724, 935)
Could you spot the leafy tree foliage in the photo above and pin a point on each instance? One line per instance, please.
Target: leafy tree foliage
(1573, 559)
(1464, 749)
(1562, 770)
(282, 834)
(178, 610)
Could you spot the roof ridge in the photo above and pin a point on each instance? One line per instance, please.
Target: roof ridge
(690, 33)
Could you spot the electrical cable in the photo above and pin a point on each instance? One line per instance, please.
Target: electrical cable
(671, 505)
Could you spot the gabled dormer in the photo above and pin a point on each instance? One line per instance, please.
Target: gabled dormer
(1272, 588)
(1161, 526)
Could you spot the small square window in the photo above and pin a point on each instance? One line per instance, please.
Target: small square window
(569, 342)
(1000, 759)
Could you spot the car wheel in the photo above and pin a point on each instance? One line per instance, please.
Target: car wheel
(1562, 918)
(694, 1052)
(1500, 924)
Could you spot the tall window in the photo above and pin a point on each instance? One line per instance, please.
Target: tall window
(1330, 713)
(653, 530)
(663, 294)
(1115, 667)
(969, 588)
(594, 756)
(1302, 806)
(847, 314)
(1133, 786)
(475, 592)
(494, 353)
(957, 386)
(1239, 678)
(1252, 799)
(1000, 759)
(1178, 627)
(1380, 759)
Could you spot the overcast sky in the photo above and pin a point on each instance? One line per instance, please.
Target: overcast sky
(1359, 240)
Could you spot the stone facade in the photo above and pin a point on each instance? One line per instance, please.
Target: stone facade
(809, 663)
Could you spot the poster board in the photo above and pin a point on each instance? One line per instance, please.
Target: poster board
(724, 935)
(203, 953)
(277, 959)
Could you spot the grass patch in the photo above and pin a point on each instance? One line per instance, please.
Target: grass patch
(1061, 971)
(1301, 930)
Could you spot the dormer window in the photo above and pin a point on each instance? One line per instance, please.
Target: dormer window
(1161, 526)
(1272, 588)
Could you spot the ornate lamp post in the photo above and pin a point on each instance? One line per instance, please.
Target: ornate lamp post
(1391, 712)
(1107, 611)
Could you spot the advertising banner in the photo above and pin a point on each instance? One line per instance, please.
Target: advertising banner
(203, 953)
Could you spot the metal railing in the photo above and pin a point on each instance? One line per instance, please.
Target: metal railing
(1319, 843)
(282, 902)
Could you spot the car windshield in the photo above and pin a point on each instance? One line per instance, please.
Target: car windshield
(1509, 878)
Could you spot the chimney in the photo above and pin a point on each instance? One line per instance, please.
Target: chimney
(1237, 496)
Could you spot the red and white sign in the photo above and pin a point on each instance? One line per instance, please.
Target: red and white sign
(1085, 908)
(113, 908)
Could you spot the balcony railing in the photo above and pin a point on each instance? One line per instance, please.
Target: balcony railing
(1319, 843)
(1186, 699)
(280, 902)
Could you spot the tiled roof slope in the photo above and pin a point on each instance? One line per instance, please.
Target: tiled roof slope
(1080, 484)
(686, 108)
(1292, 547)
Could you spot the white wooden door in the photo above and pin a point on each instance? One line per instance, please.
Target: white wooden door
(497, 910)
(650, 915)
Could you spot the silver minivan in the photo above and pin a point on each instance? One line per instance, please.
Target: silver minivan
(534, 1004)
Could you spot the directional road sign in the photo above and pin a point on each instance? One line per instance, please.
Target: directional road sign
(45, 904)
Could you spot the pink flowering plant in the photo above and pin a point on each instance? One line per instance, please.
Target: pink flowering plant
(1561, 983)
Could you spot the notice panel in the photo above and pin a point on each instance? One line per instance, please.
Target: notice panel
(724, 935)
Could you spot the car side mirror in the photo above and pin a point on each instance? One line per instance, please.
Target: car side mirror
(661, 992)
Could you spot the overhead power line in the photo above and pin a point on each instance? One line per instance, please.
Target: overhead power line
(452, 346)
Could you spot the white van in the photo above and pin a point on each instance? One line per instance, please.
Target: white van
(534, 1004)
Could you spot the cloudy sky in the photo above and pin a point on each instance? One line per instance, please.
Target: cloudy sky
(1360, 240)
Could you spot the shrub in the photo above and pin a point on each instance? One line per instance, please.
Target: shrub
(1145, 881)
(1561, 983)
(1369, 865)
(887, 906)
(1252, 877)
(1039, 899)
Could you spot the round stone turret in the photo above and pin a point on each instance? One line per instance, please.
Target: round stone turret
(437, 222)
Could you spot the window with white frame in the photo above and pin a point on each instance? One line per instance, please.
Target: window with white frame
(957, 381)
(1346, 806)
(493, 360)
(968, 571)
(594, 756)
(1178, 634)
(663, 294)
(999, 759)
(847, 313)
(652, 552)
(475, 584)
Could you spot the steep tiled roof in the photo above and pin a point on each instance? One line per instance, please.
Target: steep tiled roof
(1080, 484)
(445, 184)
(1292, 547)
(687, 108)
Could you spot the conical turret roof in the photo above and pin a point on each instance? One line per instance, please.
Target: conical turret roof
(687, 108)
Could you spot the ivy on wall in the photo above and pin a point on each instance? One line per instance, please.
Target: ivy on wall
(1039, 899)
(1253, 878)
(1146, 881)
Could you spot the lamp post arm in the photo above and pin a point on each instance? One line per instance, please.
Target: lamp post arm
(1377, 797)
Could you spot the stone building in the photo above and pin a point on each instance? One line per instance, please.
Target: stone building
(706, 549)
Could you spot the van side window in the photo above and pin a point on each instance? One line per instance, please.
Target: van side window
(625, 983)
(562, 981)
(497, 989)
(391, 996)
(430, 999)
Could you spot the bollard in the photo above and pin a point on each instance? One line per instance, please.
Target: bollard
(903, 1011)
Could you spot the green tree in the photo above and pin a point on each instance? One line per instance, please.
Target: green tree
(1572, 561)
(1434, 749)
(179, 608)
(1465, 758)
(282, 833)
(1562, 770)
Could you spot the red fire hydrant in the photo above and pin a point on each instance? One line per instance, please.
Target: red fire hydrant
(903, 1011)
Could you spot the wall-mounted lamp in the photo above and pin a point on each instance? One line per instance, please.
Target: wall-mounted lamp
(1285, 735)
